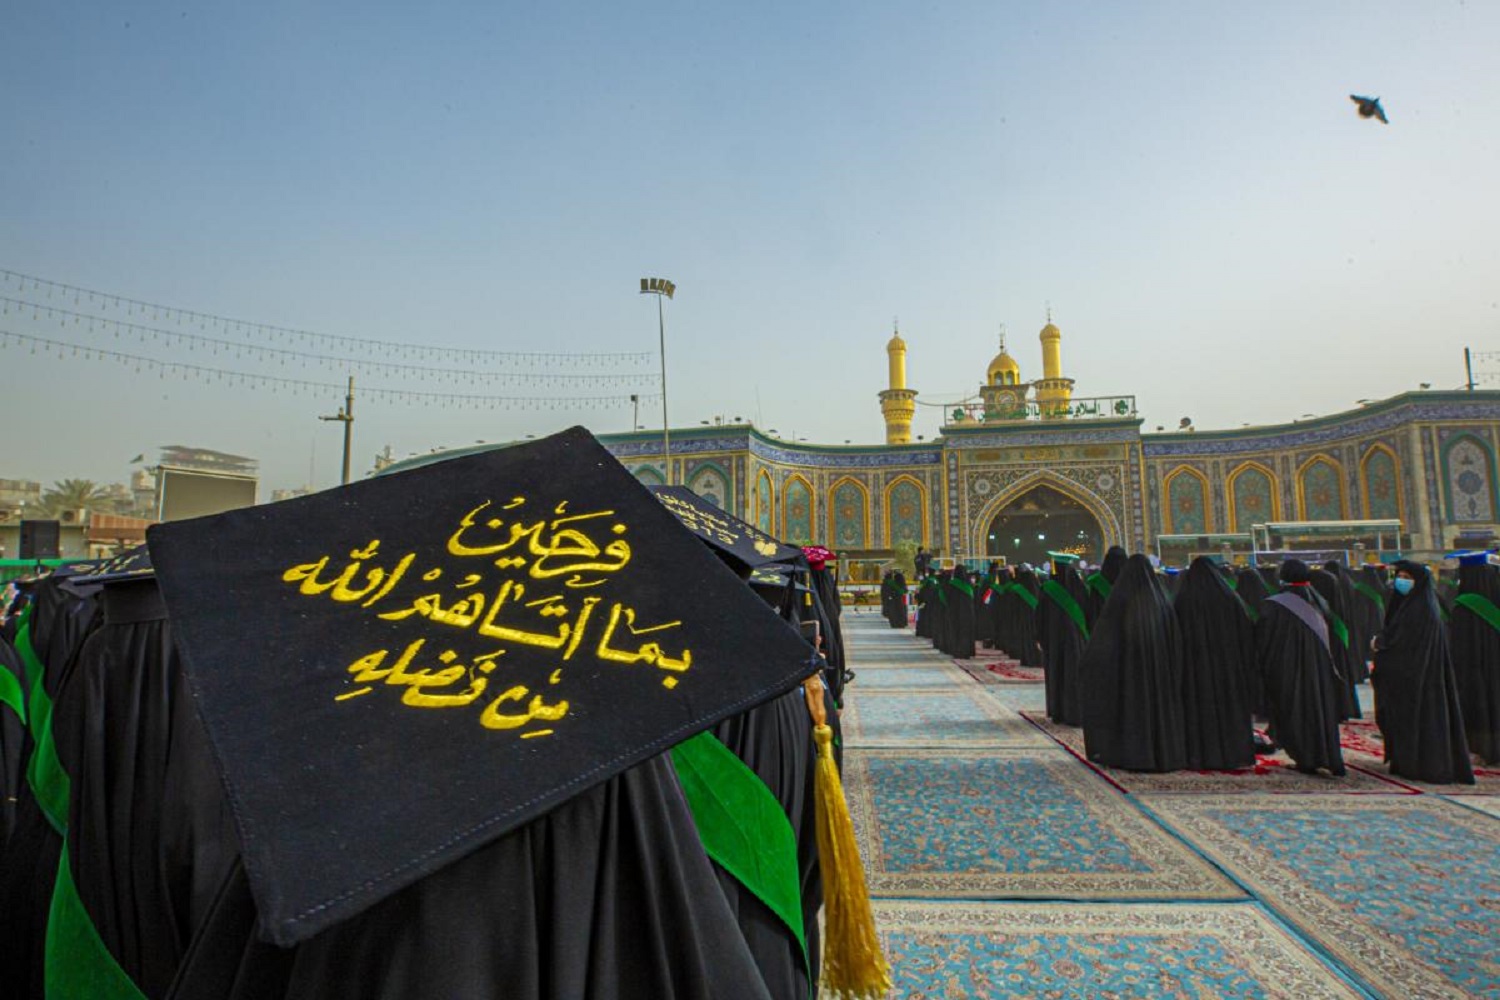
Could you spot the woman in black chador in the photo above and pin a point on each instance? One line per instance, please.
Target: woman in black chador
(1416, 691)
(1023, 597)
(1218, 650)
(1063, 628)
(1346, 657)
(1474, 631)
(1132, 677)
(961, 610)
(1250, 586)
(1102, 581)
(1303, 699)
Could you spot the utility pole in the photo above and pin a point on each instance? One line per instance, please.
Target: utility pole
(345, 416)
(1469, 368)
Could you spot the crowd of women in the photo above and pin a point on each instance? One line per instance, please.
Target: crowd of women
(1205, 667)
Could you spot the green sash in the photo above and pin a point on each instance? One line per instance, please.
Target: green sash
(1070, 607)
(1371, 593)
(1481, 606)
(77, 963)
(1099, 585)
(959, 585)
(11, 693)
(44, 772)
(743, 827)
(1024, 595)
(1340, 629)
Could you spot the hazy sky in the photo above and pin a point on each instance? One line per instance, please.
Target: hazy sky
(1187, 184)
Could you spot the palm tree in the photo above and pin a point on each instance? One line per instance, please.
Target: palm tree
(74, 494)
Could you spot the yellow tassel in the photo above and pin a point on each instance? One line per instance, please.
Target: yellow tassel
(854, 968)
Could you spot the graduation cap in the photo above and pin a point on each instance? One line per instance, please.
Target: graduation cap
(1064, 557)
(743, 546)
(396, 672)
(818, 556)
(1475, 557)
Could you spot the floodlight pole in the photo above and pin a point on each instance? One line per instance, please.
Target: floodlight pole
(662, 287)
(346, 417)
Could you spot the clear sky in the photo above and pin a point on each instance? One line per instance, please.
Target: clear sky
(1187, 184)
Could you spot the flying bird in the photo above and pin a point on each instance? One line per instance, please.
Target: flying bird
(1369, 107)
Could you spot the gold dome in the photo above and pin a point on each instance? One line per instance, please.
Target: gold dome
(1002, 365)
(1050, 332)
(895, 343)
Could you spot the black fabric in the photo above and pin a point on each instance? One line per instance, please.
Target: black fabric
(1218, 654)
(1132, 677)
(1113, 562)
(607, 897)
(149, 832)
(775, 741)
(826, 610)
(1251, 588)
(341, 649)
(1353, 606)
(1476, 660)
(1416, 690)
(1019, 617)
(1063, 643)
(1303, 699)
(926, 606)
(1346, 659)
(893, 599)
(961, 619)
(12, 746)
(743, 545)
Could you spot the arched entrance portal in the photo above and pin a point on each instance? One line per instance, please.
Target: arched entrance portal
(1039, 521)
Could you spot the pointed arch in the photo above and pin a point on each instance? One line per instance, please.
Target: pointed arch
(707, 475)
(1320, 489)
(906, 517)
(1109, 523)
(798, 514)
(1380, 489)
(849, 514)
(765, 503)
(649, 474)
(1186, 508)
(1469, 479)
(1251, 495)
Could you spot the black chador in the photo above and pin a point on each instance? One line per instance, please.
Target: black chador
(893, 598)
(1475, 635)
(1340, 641)
(1001, 580)
(1025, 599)
(1373, 591)
(927, 607)
(961, 612)
(1250, 586)
(1102, 580)
(1416, 690)
(984, 607)
(1132, 677)
(1296, 665)
(1062, 625)
(1362, 625)
(1218, 651)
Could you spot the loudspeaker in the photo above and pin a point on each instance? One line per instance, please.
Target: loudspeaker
(40, 540)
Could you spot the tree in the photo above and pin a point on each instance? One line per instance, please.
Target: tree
(906, 558)
(73, 494)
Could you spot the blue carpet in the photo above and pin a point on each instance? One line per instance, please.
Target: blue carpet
(956, 717)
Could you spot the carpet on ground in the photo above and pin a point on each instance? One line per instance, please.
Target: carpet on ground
(1228, 951)
(1401, 889)
(939, 676)
(959, 717)
(1272, 773)
(1011, 824)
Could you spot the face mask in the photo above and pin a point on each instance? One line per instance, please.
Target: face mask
(1403, 585)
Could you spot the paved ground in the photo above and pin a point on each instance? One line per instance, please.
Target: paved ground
(1003, 865)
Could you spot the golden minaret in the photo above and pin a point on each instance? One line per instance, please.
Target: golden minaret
(898, 403)
(1052, 390)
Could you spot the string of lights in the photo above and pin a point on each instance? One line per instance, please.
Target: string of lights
(61, 291)
(176, 369)
(143, 334)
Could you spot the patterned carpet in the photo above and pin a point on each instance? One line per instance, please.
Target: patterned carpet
(1274, 774)
(1004, 865)
(958, 717)
(1010, 950)
(1011, 824)
(1403, 889)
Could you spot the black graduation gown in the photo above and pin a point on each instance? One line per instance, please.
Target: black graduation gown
(1250, 586)
(1301, 684)
(1102, 581)
(1355, 619)
(1132, 677)
(12, 743)
(1218, 651)
(1475, 642)
(961, 608)
(1416, 690)
(1340, 642)
(926, 607)
(898, 616)
(1028, 592)
(608, 896)
(1063, 641)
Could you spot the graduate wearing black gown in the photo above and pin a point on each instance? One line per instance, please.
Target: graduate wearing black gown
(926, 606)
(1063, 627)
(1474, 631)
(1361, 623)
(1250, 586)
(1132, 677)
(961, 611)
(1102, 581)
(1346, 657)
(1416, 690)
(1027, 592)
(1218, 651)
(1302, 684)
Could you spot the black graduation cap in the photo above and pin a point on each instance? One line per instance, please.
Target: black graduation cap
(395, 672)
(745, 545)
